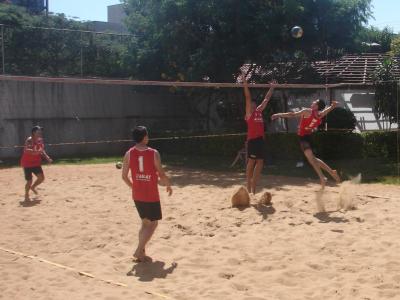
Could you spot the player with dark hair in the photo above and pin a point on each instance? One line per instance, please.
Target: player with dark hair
(255, 136)
(31, 160)
(144, 164)
(310, 120)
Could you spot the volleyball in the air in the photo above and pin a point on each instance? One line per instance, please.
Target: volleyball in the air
(297, 32)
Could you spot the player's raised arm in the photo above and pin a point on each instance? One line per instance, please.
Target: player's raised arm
(247, 96)
(291, 114)
(125, 170)
(328, 109)
(267, 97)
(161, 173)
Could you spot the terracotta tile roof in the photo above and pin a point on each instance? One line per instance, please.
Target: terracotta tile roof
(353, 68)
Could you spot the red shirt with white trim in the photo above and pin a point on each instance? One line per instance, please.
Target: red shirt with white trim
(255, 125)
(309, 124)
(30, 160)
(144, 175)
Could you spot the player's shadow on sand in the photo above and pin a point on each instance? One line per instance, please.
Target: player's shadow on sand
(151, 270)
(264, 210)
(186, 177)
(30, 203)
(325, 217)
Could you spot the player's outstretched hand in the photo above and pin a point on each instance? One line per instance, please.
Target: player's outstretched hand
(274, 117)
(169, 190)
(335, 104)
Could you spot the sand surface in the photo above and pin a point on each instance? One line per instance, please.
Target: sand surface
(203, 249)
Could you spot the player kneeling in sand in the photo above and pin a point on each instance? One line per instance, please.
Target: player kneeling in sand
(310, 119)
(144, 163)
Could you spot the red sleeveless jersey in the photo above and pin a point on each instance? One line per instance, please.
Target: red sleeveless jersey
(255, 125)
(29, 160)
(309, 124)
(144, 175)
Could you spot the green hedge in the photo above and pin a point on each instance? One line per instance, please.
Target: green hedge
(285, 146)
(380, 145)
(338, 145)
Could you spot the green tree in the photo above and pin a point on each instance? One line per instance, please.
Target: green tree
(32, 50)
(395, 46)
(373, 35)
(387, 91)
(194, 40)
(13, 15)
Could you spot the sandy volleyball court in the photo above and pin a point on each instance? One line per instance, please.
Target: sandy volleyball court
(203, 249)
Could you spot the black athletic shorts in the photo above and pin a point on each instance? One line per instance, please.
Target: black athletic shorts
(305, 142)
(149, 210)
(34, 170)
(256, 148)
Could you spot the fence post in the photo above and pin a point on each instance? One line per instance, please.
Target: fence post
(2, 50)
(81, 54)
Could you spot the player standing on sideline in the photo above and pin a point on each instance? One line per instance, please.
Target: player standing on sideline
(255, 136)
(144, 163)
(31, 160)
(310, 119)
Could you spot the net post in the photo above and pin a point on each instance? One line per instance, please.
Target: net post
(398, 132)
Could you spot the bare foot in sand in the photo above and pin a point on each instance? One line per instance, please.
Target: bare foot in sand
(139, 256)
(323, 183)
(336, 176)
(27, 199)
(34, 191)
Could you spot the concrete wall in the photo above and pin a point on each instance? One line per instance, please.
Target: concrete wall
(81, 112)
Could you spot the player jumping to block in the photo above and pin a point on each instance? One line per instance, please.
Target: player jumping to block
(255, 136)
(144, 163)
(31, 160)
(310, 119)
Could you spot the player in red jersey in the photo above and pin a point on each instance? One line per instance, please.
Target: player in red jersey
(31, 160)
(310, 119)
(144, 164)
(255, 136)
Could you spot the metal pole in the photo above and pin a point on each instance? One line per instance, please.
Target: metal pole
(81, 54)
(2, 50)
(398, 132)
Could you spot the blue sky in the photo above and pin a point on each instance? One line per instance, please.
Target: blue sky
(386, 12)
(93, 10)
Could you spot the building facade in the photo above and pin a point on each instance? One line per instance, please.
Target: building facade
(116, 14)
(34, 6)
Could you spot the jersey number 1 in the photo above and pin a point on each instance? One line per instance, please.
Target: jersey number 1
(141, 165)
